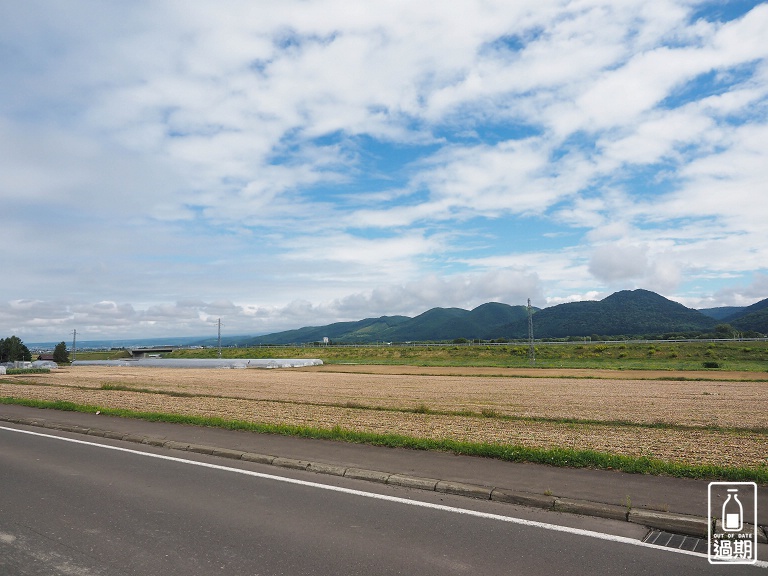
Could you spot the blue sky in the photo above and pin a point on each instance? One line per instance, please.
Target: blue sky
(282, 164)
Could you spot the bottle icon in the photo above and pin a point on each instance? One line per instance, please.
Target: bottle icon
(733, 512)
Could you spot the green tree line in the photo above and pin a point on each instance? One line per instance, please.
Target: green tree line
(12, 349)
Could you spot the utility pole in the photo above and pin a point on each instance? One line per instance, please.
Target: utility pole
(531, 348)
(74, 345)
(219, 337)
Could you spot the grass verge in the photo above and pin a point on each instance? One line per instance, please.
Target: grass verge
(562, 457)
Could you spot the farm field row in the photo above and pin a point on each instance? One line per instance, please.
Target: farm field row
(707, 403)
(696, 422)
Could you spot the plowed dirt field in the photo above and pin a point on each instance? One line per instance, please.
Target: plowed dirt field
(696, 421)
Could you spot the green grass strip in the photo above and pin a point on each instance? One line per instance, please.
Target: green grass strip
(561, 457)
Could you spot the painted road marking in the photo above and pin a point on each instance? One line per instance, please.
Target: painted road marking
(442, 507)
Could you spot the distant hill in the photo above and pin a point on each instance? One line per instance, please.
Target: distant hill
(435, 324)
(754, 317)
(484, 322)
(368, 330)
(626, 313)
(630, 312)
(721, 312)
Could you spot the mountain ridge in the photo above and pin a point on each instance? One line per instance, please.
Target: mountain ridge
(750, 318)
(495, 321)
(624, 313)
(628, 312)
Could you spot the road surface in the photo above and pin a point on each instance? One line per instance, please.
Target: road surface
(85, 507)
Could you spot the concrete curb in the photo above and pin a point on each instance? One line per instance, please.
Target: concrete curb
(227, 453)
(523, 498)
(198, 448)
(370, 475)
(669, 522)
(413, 482)
(588, 508)
(153, 441)
(291, 463)
(331, 469)
(678, 523)
(258, 458)
(462, 489)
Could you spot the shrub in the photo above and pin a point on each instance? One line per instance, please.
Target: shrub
(28, 371)
(711, 364)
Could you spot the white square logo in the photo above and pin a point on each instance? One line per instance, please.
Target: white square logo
(732, 522)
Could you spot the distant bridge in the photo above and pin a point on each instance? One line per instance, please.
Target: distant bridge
(154, 351)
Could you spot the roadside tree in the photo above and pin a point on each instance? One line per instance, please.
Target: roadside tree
(60, 353)
(13, 349)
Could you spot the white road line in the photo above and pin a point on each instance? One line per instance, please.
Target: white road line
(486, 515)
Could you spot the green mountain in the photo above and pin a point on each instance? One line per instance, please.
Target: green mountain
(368, 330)
(485, 321)
(754, 317)
(495, 313)
(629, 312)
(721, 312)
(434, 324)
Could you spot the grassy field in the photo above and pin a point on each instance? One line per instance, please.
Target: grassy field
(728, 355)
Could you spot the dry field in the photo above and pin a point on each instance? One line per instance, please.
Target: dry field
(331, 396)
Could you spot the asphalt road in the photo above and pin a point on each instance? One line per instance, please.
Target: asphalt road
(75, 507)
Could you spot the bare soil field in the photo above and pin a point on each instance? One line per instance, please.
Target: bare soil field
(622, 411)
(547, 372)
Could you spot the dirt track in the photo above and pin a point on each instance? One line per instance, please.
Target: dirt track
(342, 395)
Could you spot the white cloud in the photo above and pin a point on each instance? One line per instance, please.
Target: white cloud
(619, 263)
(743, 295)
(414, 297)
(50, 321)
(509, 177)
(591, 295)
(658, 137)
(635, 266)
(163, 158)
(392, 251)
